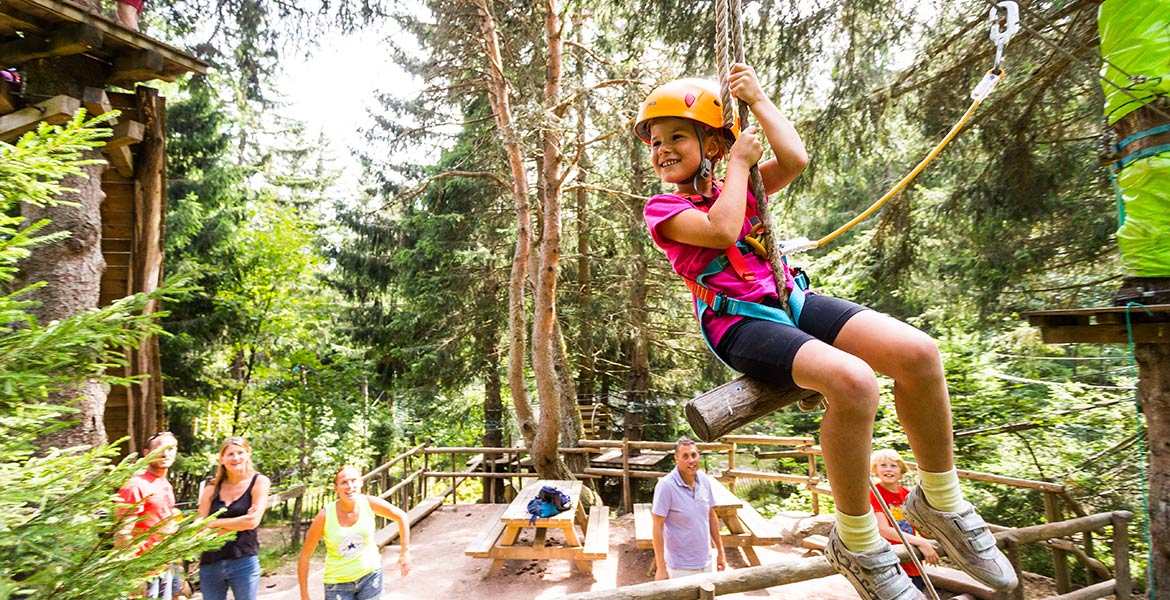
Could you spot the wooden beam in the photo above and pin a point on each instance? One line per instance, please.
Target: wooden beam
(77, 38)
(97, 103)
(42, 14)
(55, 110)
(142, 65)
(126, 133)
(120, 159)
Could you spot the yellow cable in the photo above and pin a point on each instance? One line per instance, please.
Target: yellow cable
(905, 180)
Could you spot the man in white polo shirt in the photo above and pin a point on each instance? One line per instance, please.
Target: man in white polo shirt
(685, 524)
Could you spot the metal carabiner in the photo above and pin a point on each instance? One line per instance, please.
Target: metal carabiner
(1011, 26)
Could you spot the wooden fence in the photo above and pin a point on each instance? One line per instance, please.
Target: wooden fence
(793, 570)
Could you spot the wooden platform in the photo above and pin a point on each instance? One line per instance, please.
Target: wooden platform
(1104, 325)
(32, 29)
(644, 460)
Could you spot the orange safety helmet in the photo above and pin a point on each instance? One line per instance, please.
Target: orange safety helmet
(695, 99)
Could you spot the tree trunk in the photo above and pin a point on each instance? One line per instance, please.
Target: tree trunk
(586, 363)
(1154, 395)
(499, 96)
(548, 385)
(493, 413)
(638, 380)
(71, 268)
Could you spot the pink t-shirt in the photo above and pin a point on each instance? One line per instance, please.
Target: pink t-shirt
(690, 261)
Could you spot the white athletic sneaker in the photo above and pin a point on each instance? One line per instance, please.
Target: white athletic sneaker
(965, 537)
(876, 575)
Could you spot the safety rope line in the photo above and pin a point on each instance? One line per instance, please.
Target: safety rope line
(1137, 419)
(1000, 37)
(901, 185)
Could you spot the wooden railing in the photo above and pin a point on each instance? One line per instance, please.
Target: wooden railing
(409, 483)
(793, 570)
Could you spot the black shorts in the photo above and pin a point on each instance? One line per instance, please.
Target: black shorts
(765, 349)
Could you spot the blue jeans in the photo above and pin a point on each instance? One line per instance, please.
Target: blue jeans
(366, 588)
(242, 575)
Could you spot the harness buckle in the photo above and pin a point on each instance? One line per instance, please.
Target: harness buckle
(719, 304)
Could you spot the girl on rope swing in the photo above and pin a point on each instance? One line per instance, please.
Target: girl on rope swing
(830, 345)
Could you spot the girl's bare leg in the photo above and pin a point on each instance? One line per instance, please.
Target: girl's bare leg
(911, 358)
(851, 390)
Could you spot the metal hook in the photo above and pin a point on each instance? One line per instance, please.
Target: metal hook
(1011, 26)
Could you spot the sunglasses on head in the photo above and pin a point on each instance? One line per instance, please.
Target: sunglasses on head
(158, 435)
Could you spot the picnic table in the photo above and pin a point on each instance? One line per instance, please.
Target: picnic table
(498, 540)
(746, 528)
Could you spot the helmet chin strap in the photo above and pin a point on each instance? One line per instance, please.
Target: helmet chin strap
(703, 175)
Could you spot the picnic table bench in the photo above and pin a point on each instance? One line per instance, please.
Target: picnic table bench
(498, 538)
(746, 528)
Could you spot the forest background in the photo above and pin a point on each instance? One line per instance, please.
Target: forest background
(492, 249)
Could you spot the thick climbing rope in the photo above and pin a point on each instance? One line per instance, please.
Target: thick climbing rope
(724, 14)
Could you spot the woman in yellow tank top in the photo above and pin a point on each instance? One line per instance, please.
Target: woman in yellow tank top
(353, 562)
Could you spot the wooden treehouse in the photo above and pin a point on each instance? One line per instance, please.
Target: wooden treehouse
(70, 58)
(1147, 328)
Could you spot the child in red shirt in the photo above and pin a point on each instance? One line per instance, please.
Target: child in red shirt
(889, 468)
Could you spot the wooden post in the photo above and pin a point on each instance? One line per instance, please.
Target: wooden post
(422, 482)
(731, 466)
(736, 403)
(1123, 587)
(707, 591)
(1012, 549)
(491, 482)
(1154, 394)
(454, 482)
(1053, 514)
(627, 493)
(812, 474)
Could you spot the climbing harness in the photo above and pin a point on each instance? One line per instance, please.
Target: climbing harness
(721, 304)
(1000, 36)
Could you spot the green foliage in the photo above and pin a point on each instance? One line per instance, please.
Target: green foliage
(58, 517)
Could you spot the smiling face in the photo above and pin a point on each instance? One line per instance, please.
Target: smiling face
(348, 483)
(674, 150)
(686, 456)
(235, 458)
(888, 472)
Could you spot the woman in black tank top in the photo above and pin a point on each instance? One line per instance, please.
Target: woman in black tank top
(241, 494)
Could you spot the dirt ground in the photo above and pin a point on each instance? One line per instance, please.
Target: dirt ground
(442, 571)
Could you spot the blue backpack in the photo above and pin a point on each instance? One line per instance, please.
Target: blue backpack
(549, 501)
